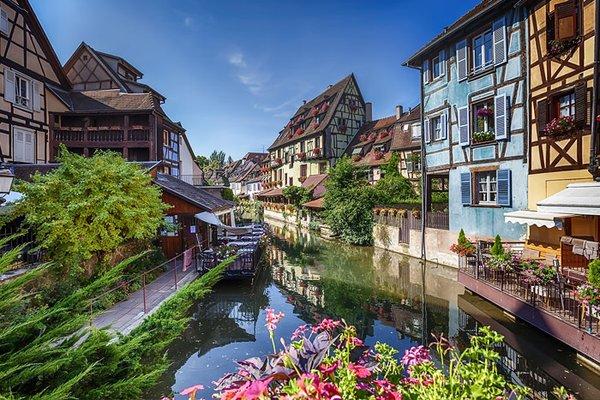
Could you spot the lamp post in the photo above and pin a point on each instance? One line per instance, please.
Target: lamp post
(6, 181)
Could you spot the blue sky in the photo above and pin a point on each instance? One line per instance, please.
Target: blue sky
(233, 72)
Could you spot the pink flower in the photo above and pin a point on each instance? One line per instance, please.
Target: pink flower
(273, 319)
(360, 371)
(329, 369)
(248, 391)
(356, 342)
(326, 325)
(299, 332)
(415, 355)
(191, 391)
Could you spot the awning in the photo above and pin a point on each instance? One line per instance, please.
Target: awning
(577, 199)
(527, 217)
(212, 219)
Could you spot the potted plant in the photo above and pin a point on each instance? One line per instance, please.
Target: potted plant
(302, 179)
(363, 138)
(559, 47)
(314, 111)
(316, 152)
(463, 246)
(560, 125)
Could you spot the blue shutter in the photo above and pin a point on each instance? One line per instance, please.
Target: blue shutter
(501, 116)
(442, 56)
(444, 123)
(499, 38)
(504, 187)
(427, 129)
(461, 60)
(465, 188)
(463, 126)
(426, 71)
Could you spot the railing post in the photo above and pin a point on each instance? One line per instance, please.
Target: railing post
(478, 259)
(175, 272)
(144, 291)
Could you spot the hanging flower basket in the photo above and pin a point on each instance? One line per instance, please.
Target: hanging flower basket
(485, 112)
(316, 151)
(558, 48)
(482, 137)
(299, 131)
(560, 125)
(301, 156)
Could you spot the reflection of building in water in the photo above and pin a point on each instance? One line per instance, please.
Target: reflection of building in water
(403, 276)
(523, 354)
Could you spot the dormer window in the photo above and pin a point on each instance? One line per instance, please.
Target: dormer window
(483, 55)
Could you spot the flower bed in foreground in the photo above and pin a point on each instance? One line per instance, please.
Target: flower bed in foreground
(328, 361)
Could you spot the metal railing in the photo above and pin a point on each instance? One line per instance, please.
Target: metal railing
(398, 218)
(556, 297)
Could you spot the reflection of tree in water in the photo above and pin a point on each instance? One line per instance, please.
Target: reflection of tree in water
(228, 315)
(301, 252)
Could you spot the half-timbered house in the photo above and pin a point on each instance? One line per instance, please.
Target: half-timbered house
(561, 85)
(110, 109)
(474, 82)
(31, 75)
(379, 139)
(319, 133)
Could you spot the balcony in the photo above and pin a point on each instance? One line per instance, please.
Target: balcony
(97, 135)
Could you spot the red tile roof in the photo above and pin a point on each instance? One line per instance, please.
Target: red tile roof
(316, 204)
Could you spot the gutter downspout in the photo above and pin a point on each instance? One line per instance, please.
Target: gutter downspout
(594, 168)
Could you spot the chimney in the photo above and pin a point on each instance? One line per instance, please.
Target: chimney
(399, 111)
(369, 111)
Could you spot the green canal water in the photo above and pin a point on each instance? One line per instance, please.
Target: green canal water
(388, 297)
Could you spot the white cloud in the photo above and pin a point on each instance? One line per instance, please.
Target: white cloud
(188, 22)
(249, 75)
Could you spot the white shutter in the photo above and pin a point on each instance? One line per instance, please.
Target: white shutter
(426, 71)
(18, 145)
(36, 100)
(501, 127)
(444, 123)
(461, 60)
(4, 22)
(427, 131)
(499, 33)
(9, 85)
(463, 126)
(442, 56)
(29, 147)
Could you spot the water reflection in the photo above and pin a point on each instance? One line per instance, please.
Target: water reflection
(388, 297)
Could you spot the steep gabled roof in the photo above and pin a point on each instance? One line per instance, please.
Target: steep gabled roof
(333, 95)
(40, 34)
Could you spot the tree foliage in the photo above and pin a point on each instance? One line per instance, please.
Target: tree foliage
(88, 207)
(202, 161)
(217, 159)
(297, 195)
(393, 188)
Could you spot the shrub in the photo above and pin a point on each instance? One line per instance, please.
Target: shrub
(497, 250)
(593, 273)
(463, 246)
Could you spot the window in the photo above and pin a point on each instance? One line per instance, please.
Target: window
(483, 116)
(436, 67)
(166, 137)
(4, 22)
(23, 145)
(309, 146)
(170, 229)
(416, 131)
(565, 21)
(318, 142)
(482, 49)
(436, 128)
(486, 187)
(322, 168)
(303, 170)
(22, 91)
(564, 105)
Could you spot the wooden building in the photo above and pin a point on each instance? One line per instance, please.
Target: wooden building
(30, 76)
(110, 109)
(318, 134)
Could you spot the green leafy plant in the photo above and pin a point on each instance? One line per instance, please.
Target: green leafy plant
(593, 273)
(497, 249)
(483, 136)
(87, 208)
(463, 246)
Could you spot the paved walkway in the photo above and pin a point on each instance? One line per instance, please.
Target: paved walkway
(123, 317)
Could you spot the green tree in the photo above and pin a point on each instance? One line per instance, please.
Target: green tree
(227, 194)
(217, 159)
(88, 207)
(349, 202)
(393, 188)
(497, 250)
(297, 195)
(202, 161)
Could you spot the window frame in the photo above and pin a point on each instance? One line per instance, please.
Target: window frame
(435, 61)
(485, 64)
(29, 88)
(489, 102)
(491, 180)
(555, 105)
(432, 135)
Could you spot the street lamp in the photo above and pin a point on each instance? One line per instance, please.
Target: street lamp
(6, 181)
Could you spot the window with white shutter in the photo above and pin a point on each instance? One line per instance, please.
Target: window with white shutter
(461, 60)
(36, 100)
(465, 188)
(425, 71)
(9, 85)
(463, 126)
(501, 116)
(4, 28)
(23, 145)
(499, 28)
(427, 130)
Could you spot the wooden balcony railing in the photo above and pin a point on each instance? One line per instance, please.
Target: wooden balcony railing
(106, 135)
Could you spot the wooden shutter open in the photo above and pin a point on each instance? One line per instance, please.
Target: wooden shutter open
(461, 60)
(426, 71)
(465, 188)
(503, 181)
(581, 105)
(499, 40)
(36, 100)
(542, 116)
(442, 58)
(501, 116)
(565, 20)
(463, 126)
(427, 129)
(9, 85)
(444, 125)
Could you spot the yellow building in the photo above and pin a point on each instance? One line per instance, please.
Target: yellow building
(31, 83)
(561, 91)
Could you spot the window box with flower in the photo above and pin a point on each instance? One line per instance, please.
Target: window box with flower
(561, 125)
(301, 156)
(557, 48)
(484, 123)
(316, 152)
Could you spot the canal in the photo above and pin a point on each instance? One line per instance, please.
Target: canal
(388, 297)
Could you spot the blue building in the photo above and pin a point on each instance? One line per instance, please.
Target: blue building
(475, 112)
